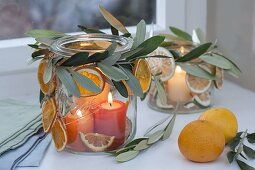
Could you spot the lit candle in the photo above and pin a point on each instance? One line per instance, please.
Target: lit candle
(78, 120)
(110, 119)
(177, 88)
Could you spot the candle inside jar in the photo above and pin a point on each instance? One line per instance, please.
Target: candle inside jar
(110, 120)
(177, 88)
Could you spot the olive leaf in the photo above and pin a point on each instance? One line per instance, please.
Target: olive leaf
(251, 138)
(249, 151)
(176, 40)
(114, 31)
(231, 155)
(160, 90)
(112, 20)
(169, 128)
(119, 85)
(126, 156)
(130, 53)
(113, 72)
(46, 41)
(77, 59)
(40, 53)
(195, 53)
(156, 125)
(66, 78)
(41, 96)
(198, 36)
(47, 72)
(243, 165)
(41, 33)
(85, 82)
(197, 71)
(89, 30)
(216, 60)
(33, 46)
(111, 60)
(30, 61)
(182, 34)
(140, 34)
(155, 137)
(148, 46)
(142, 145)
(135, 141)
(133, 83)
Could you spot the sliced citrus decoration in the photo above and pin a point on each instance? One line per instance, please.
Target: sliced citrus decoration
(197, 84)
(94, 75)
(143, 74)
(49, 114)
(59, 135)
(201, 141)
(224, 119)
(96, 142)
(165, 66)
(203, 99)
(51, 85)
(71, 128)
(219, 77)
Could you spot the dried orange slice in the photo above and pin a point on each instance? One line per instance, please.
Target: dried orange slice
(93, 74)
(203, 99)
(143, 74)
(59, 135)
(71, 128)
(219, 74)
(51, 85)
(197, 84)
(96, 142)
(165, 66)
(49, 114)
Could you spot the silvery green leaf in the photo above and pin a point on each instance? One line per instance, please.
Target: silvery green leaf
(200, 35)
(112, 48)
(127, 156)
(135, 141)
(39, 53)
(169, 128)
(231, 156)
(180, 33)
(140, 34)
(235, 70)
(251, 138)
(66, 78)
(195, 53)
(161, 91)
(156, 125)
(216, 60)
(155, 137)
(40, 33)
(249, 151)
(133, 83)
(197, 71)
(243, 165)
(119, 85)
(112, 72)
(89, 30)
(141, 145)
(47, 72)
(130, 53)
(46, 41)
(85, 82)
(30, 61)
(176, 40)
(112, 20)
(111, 60)
(195, 38)
(77, 59)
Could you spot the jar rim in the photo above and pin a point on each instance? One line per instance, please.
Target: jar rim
(58, 47)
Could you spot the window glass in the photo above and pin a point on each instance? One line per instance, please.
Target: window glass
(19, 16)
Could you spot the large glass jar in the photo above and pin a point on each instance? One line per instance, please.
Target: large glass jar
(100, 122)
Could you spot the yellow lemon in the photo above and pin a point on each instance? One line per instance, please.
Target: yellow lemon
(224, 119)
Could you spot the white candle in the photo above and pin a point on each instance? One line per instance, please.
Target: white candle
(177, 88)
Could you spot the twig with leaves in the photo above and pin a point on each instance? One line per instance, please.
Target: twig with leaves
(239, 150)
(152, 136)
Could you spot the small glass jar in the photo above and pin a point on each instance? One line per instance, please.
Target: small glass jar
(100, 122)
(178, 90)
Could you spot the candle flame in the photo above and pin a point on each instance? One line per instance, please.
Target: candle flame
(178, 69)
(110, 98)
(79, 113)
(182, 50)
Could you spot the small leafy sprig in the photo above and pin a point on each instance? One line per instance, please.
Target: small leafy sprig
(152, 136)
(238, 149)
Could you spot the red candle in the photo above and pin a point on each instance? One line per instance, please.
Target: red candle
(78, 120)
(110, 119)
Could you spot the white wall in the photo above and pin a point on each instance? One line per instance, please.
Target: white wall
(232, 22)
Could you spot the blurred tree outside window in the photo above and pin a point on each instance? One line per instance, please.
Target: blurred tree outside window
(20, 16)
